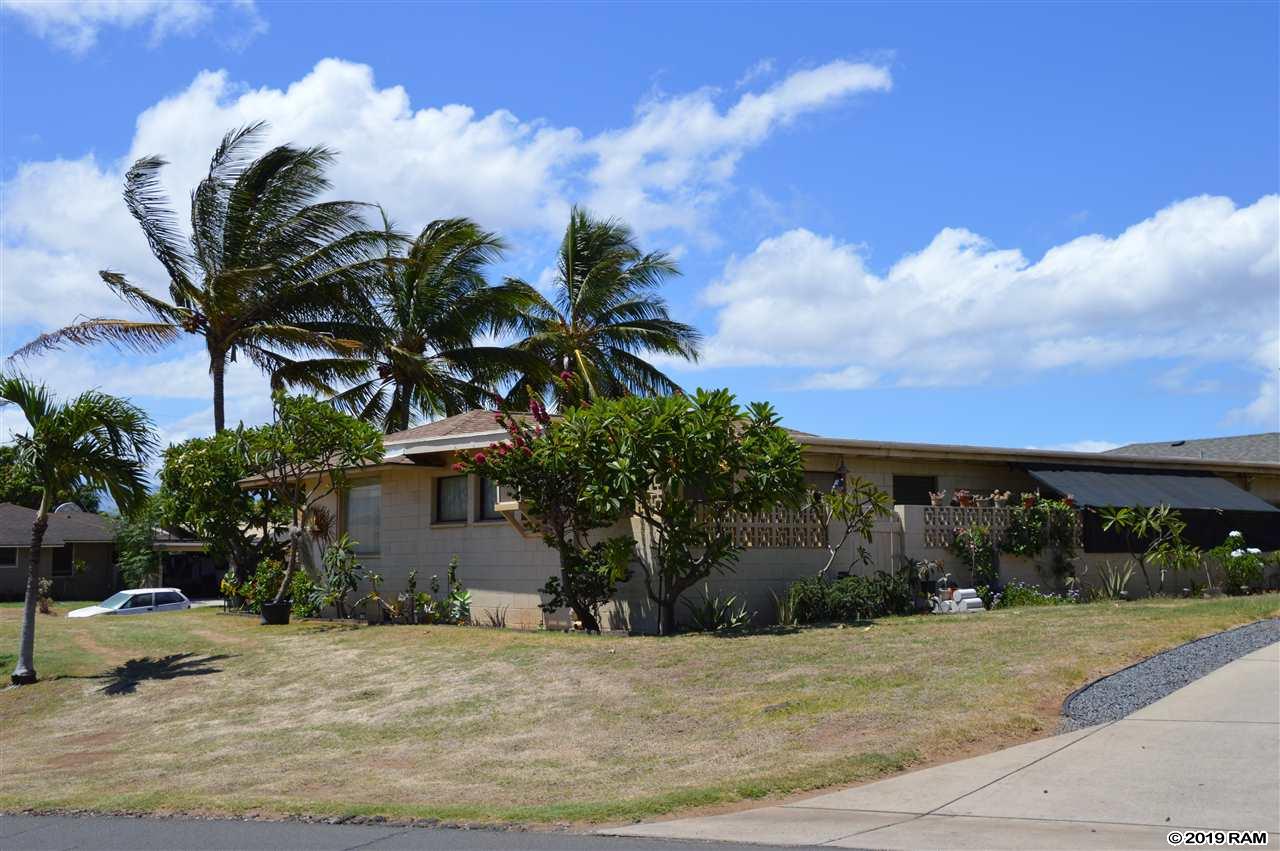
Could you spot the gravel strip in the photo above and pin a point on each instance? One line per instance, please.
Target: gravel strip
(1112, 698)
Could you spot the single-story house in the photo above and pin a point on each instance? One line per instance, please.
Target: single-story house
(413, 512)
(78, 553)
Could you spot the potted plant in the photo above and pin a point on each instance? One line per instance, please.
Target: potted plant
(936, 499)
(276, 613)
(1029, 499)
(983, 501)
(1070, 500)
(1000, 498)
(964, 497)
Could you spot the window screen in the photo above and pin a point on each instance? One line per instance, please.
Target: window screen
(913, 490)
(488, 496)
(364, 517)
(8, 556)
(451, 499)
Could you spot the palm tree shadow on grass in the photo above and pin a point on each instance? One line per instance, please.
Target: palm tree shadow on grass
(124, 679)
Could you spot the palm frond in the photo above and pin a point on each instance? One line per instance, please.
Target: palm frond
(148, 205)
(120, 333)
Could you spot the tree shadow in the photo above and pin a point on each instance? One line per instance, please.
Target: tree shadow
(124, 679)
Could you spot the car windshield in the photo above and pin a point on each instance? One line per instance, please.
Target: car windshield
(116, 600)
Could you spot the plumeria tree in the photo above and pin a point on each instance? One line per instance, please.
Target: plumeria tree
(303, 458)
(686, 465)
(551, 464)
(1153, 535)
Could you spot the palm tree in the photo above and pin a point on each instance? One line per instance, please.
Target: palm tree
(264, 262)
(416, 327)
(606, 314)
(94, 440)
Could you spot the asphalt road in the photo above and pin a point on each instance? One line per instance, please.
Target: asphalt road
(141, 834)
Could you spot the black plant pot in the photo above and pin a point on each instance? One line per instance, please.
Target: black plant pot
(276, 614)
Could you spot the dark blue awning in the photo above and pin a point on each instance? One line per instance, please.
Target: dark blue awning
(1177, 490)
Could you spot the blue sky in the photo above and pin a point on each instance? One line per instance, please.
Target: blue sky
(1040, 225)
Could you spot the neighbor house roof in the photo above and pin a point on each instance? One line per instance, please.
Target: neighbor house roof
(1244, 447)
(78, 527)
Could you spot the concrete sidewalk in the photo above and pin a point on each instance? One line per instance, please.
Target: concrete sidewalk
(1206, 757)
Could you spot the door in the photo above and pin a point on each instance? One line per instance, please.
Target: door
(139, 604)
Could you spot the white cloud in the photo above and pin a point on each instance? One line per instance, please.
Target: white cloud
(64, 219)
(674, 162)
(1081, 446)
(74, 25)
(1196, 282)
(852, 377)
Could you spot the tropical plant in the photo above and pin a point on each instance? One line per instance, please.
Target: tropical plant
(265, 263)
(603, 318)
(855, 506)
(1043, 524)
(1241, 565)
(686, 465)
(417, 325)
(93, 441)
(712, 613)
(1114, 582)
(550, 464)
(1153, 535)
(340, 575)
(17, 485)
(302, 458)
(137, 561)
(976, 548)
(200, 494)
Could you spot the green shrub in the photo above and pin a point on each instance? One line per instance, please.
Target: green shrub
(850, 598)
(976, 547)
(1018, 593)
(261, 587)
(307, 597)
(1241, 565)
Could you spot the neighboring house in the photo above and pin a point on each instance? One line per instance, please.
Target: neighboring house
(1263, 448)
(413, 512)
(78, 553)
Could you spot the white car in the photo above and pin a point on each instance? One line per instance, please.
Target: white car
(136, 601)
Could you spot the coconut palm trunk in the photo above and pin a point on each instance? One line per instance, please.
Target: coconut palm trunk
(24, 673)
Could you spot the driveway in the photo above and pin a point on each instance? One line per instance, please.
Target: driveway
(1206, 757)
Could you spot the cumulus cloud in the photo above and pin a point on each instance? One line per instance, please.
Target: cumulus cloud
(64, 219)
(1196, 282)
(673, 163)
(74, 25)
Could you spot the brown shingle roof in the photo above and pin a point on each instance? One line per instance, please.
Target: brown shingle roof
(472, 422)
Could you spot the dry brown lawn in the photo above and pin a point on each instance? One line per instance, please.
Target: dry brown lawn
(209, 713)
